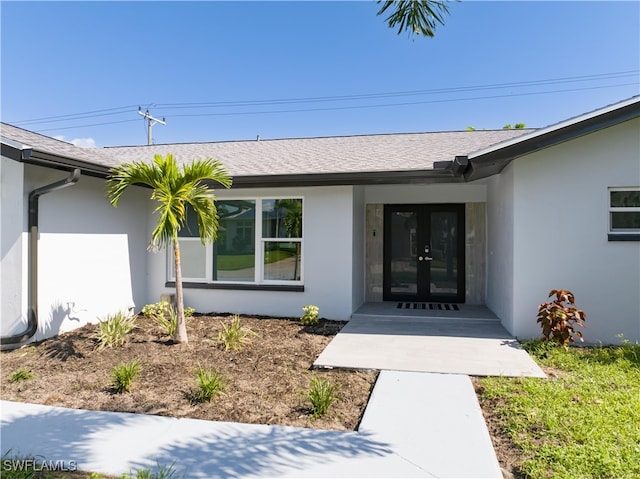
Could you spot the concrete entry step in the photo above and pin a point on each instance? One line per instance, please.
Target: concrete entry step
(476, 348)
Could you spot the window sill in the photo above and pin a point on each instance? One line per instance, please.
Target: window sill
(236, 286)
(624, 237)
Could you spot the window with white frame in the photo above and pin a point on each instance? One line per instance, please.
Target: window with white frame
(259, 242)
(624, 213)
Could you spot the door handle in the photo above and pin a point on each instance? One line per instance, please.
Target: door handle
(424, 258)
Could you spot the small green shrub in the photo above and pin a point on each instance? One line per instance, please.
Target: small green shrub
(123, 375)
(322, 395)
(310, 315)
(558, 318)
(209, 383)
(165, 315)
(155, 309)
(168, 321)
(234, 336)
(21, 375)
(113, 330)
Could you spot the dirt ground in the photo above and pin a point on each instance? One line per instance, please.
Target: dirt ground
(267, 381)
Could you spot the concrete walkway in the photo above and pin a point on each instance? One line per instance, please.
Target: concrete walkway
(416, 425)
(474, 346)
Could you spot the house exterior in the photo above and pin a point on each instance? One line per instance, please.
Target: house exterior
(497, 218)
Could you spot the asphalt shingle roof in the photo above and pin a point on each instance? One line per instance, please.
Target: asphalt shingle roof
(344, 154)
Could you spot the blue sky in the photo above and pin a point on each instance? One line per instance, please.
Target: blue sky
(221, 70)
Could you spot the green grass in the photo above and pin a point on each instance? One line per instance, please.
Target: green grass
(234, 262)
(585, 422)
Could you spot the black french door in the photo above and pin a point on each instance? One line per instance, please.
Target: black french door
(424, 253)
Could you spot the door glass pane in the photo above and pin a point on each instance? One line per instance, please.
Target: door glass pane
(403, 264)
(444, 266)
(234, 250)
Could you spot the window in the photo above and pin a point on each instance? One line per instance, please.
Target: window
(624, 214)
(259, 242)
(281, 239)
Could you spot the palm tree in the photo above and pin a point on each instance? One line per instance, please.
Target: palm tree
(417, 16)
(175, 189)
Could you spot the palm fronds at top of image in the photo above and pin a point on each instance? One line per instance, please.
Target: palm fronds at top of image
(113, 329)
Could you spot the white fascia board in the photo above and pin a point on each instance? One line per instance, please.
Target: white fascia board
(554, 127)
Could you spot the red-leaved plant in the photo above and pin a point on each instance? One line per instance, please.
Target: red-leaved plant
(559, 318)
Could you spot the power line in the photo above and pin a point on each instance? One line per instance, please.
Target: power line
(76, 116)
(384, 105)
(553, 81)
(335, 98)
(86, 126)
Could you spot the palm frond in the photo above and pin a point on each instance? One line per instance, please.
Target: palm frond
(206, 169)
(174, 187)
(416, 16)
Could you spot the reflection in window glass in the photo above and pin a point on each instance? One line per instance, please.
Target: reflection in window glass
(282, 218)
(622, 221)
(625, 199)
(192, 258)
(234, 250)
(282, 261)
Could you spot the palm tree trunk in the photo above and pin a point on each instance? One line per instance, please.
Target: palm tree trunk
(181, 329)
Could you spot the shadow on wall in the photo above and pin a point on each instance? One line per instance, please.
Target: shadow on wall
(114, 443)
(59, 316)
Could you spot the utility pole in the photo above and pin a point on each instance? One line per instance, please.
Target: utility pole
(150, 122)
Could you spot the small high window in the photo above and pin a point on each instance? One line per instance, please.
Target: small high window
(624, 214)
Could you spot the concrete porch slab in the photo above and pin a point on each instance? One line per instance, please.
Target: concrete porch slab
(478, 347)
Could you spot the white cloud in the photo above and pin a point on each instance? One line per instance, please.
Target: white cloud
(80, 142)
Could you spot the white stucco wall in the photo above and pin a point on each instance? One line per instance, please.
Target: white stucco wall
(500, 273)
(426, 193)
(560, 215)
(328, 244)
(91, 256)
(13, 304)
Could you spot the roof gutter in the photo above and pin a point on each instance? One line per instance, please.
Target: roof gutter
(14, 341)
(442, 173)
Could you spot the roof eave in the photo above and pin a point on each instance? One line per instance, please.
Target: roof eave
(485, 164)
(348, 178)
(50, 160)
